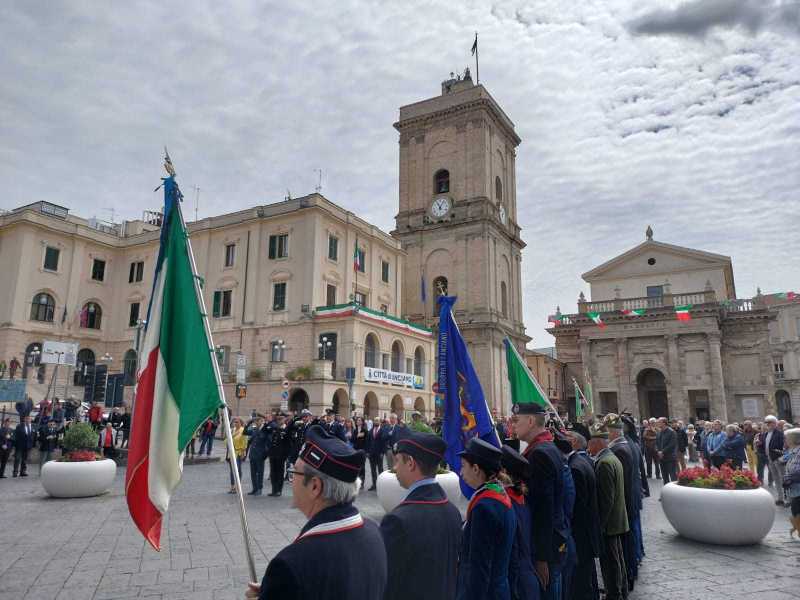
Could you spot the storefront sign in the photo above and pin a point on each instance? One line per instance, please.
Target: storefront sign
(393, 377)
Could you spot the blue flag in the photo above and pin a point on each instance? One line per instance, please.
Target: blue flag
(422, 293)
(466, 414)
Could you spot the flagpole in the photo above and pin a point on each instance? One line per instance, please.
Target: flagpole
(538, 387)
(225, 418)
(477, 69)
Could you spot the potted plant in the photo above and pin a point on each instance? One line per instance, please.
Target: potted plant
(81, 471)
(391, 493)
(719, 506)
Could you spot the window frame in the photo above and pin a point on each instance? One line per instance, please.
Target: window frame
(96, 268)
(48, 308)
(278, 246)
(275, 350)
(333, 247)
(385, 273)
(437, 181)
(133, 320)
(230, 255)
(356, 296)
(362, 260)
(136, 271)
(328, 300)
(275, 305)
(221, 300)
(94, 318)
(57, 252)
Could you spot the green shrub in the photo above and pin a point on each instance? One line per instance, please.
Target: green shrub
(80, 436)
(299, 374)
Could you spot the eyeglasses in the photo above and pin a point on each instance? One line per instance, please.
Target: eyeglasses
(295, 472)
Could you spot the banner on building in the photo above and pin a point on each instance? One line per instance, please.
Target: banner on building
(59, 353)
(384, 376)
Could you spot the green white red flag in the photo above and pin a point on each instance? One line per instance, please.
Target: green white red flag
(682, 312)
(633, 312)
(595, 316)
(177, 387)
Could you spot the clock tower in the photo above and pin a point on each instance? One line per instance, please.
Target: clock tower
(457, 221)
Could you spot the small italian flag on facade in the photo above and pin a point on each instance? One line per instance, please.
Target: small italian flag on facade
(595, 316)
(682, 312)
(633, 312)
(554, 319)
(177, 388)
(356, 258)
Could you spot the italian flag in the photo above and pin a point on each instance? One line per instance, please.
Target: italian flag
(177, 387)
(682, 312)
(554, 319)
(595, 316)
(524, 387)
(633, 312)
(356, 257)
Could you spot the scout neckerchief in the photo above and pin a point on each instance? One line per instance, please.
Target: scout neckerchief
(491, 490)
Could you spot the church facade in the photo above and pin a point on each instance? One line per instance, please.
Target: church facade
(664, 334)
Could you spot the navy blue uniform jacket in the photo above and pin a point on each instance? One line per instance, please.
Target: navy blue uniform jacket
(422, 537)
(521, 576)
(585, 526)
(338, 555)
(486, 546)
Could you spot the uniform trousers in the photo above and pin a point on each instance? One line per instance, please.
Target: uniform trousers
(375, 467)
(276, 472)
(669, 471)
(583, 582)
(257, 473)
(612, 565)
(20, 462)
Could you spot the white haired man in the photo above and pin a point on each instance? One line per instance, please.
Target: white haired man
(773, 449)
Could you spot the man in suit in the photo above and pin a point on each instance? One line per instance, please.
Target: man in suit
(667, 448)
(260, 442)
(422, 534)
(326, 561)
(612, 518)
(24, 437)
(773, 449)
(630, 471)
(585, 526)
(394, 432)
(278, 451)
(376, 444)
(641, 487)
(546, 496)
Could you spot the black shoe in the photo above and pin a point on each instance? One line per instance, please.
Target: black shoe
(2, 476)
(256, 493)
(252, 492)
(272, 494)
(25, 475)
(777, 502)
(372, 489)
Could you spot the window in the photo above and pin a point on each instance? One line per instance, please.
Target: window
(51, 258)
(385, 271)
(136, 272)
(440, 286)
(384, 308)
(129, 367)
(498, 189)
(224, 358)
(330, 295)
(230, 254)
(409, 365)
(279, 296)
(385, 361)
(326, 346)
(279, 246)
(91, 315)
(133, 318)
(371, 352)
(419, 360)
(333, 247)
(276, 351)
(43, 308)
(98, 269)
(503, 299)
(360, 299)
(778, 366)
(361, 260)
(397, 357)
(222, 303)
(655, 291)
(441, 182)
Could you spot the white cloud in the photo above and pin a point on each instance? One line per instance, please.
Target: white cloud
(696, 135)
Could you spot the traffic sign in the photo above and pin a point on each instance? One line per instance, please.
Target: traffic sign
(285, 395)
(241, 390)
(285, 384)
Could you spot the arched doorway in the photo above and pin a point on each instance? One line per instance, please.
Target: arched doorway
(397, 406)
(784, 403)
(371, 405)
(85, 360)
(32, 358)
(419, 406)
(129, 367)
(651, 387)
(298, 400)
(339, 403)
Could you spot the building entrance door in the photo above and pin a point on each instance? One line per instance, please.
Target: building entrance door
(651, 387)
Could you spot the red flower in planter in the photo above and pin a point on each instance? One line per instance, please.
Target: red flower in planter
(724, 478)
(80, 456)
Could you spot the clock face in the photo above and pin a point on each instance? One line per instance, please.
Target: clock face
(440, 207)
(502, 214)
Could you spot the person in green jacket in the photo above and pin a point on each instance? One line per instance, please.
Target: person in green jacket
(612, 515)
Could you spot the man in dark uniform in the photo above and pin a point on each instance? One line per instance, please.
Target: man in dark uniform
(546, 496)
(376, 444)
(423, 533)
(327, 560)
(641, 487)
(278, 450)
(259, 446)
(585, 527)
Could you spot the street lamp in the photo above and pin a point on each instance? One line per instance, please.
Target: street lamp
(324, 345)
(107, 358)
(281, 348)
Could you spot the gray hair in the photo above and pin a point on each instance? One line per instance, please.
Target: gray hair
(334, 491)
(770, 419)
(579, 439)
(792, 436)
(732, 427)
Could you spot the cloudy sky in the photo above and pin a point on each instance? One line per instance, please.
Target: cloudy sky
(683, 115)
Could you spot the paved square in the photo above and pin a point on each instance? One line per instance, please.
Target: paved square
(87, 549)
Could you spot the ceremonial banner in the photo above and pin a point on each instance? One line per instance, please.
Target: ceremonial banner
(177, 389)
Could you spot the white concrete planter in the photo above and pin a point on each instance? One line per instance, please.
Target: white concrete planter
(725, 517)
(78, 479)
(390, 493)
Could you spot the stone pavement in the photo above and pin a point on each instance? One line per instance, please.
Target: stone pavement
(85, 549)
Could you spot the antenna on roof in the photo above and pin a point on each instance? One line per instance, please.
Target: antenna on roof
(319, 183)
(288, 194)
(196, 200)
(112, 211)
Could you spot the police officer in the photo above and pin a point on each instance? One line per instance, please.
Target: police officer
(278, 451)
(488, 536)
(326, 561)
(423, 533)
(546, 496)
(260, 436)
(297, 431)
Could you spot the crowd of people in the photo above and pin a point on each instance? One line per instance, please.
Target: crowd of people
(43, 426)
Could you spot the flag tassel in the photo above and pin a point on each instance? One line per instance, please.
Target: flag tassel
(225, 418)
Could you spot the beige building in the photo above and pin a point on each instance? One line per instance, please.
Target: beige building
(717, 364)
(457, 222)
(784, 339)
(284, 299)
(551, 374)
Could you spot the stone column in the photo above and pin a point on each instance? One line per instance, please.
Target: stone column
(718, 404)
(627, 392)
(676, 402)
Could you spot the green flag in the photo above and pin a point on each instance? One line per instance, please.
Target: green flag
(578, 400)
(524, 387)
(588, 395)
